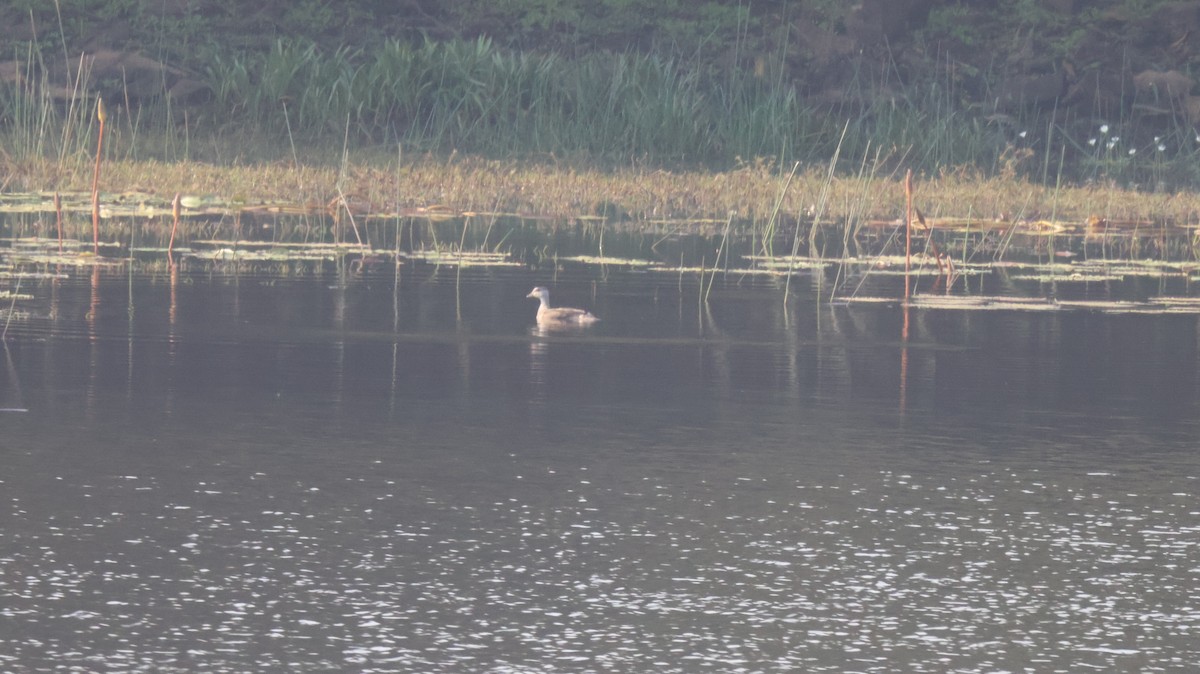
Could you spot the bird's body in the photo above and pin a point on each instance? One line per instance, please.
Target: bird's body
(558, 316)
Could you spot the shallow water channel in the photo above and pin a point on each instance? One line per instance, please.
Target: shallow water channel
(360, 470)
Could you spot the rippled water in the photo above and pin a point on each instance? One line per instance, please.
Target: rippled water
(271, 473)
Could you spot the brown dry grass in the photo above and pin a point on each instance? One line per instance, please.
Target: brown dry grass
(465, 184)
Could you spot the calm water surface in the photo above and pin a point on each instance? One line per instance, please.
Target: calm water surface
(280, 473)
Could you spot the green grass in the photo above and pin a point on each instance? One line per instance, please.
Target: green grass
(420, 104)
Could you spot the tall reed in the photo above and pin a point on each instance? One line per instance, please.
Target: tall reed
(473, 97)
(101, 115)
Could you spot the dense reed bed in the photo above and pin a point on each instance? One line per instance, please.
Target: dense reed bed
(473, 97)
(474, 128)
(299, 102)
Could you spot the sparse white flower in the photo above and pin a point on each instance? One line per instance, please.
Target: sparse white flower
(1022, 134)
(1110, 144)
(1157, 138)
(1116, 139)
(1092, 141)
(1132, 151)
(1104, 129)
(1162, 147)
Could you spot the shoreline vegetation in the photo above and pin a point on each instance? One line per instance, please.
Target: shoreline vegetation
(752, 193)
(438, 120)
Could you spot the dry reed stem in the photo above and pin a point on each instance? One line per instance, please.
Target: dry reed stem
(100, 115)
(174, 226)
(58, 218)
(908, 217)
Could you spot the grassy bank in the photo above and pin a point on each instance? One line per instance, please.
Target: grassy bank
(752, 192)
(471, 127)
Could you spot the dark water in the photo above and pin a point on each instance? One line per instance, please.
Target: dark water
(297, 473)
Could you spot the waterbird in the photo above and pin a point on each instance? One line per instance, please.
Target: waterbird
(558, 316)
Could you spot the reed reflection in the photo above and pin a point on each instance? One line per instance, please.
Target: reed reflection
(173, 328)
(904, 358)
(13, 399)
(395, 375)
(91, 398)
(715, 343)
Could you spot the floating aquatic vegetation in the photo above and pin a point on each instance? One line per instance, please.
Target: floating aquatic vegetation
(1189, 302)
(927, 271)
(67, 258)
(31, 275)
(288, 245)
(784, 262)
(893, 261)
(1076, 277)
(1160, 305)
(977, 302)
(214, 249)
(265, 254)
(739, 271)
(1057, 272)
(38, 242)
(1124, 307)
(606, 260)
(1146, 268)
(462, 258)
